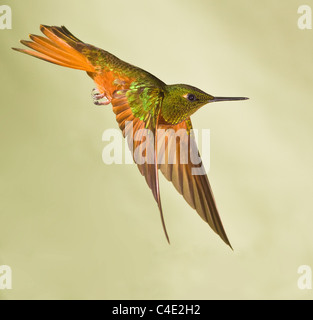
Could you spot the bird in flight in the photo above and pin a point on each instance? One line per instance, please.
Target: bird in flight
(143, 103)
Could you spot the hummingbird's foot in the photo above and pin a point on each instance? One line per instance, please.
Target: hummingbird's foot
(97, 96)
(101, 103)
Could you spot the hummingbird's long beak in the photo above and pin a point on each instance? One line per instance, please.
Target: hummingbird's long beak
(216, 99)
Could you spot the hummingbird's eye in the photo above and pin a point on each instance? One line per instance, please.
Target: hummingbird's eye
(191, 97)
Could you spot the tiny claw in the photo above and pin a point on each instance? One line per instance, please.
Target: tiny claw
(101, 103)
(96, 95)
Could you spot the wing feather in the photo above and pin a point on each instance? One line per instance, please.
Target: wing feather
(195, 189)
(138, 141)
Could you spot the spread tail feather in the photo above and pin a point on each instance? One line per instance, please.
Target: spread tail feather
(59, 47)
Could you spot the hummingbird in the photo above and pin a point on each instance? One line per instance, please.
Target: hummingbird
(144, 101)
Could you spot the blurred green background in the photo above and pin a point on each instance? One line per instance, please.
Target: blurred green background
(73, 227)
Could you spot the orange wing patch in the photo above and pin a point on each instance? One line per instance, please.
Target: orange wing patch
(109, 82)
(195, 189)
(139, 143)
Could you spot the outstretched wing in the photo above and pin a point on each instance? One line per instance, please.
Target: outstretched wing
(189, 179)
(137, 109)
(134, 101)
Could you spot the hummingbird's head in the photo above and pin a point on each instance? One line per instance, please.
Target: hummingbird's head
(181, 101)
